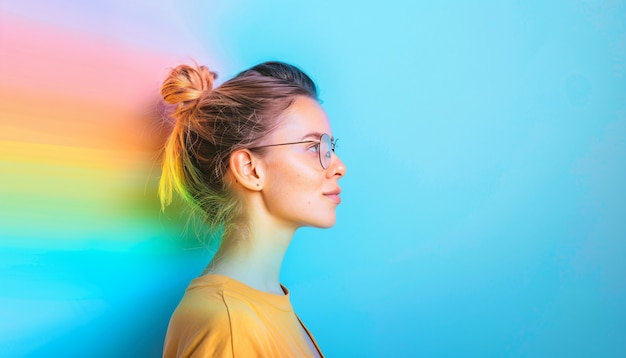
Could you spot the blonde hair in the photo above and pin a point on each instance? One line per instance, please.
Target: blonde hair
(211, 123)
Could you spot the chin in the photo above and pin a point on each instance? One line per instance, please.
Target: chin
(325, 221)
(324, 224)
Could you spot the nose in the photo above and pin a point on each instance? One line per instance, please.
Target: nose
(337, 167)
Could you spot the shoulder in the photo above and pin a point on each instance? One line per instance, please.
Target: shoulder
(213, 319)
(200, 325)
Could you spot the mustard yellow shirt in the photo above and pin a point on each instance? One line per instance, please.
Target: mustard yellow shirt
(221, 317)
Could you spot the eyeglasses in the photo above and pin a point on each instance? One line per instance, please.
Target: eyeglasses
(324, 147)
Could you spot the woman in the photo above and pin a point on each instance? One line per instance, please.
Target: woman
(256, 157)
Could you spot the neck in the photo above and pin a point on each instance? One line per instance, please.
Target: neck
(254, 256)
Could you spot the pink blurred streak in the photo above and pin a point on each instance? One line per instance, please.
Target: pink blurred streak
(66, 88)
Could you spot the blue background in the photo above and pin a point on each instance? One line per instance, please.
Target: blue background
(484, 209)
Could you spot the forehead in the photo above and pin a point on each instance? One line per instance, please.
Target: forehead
(304, 116)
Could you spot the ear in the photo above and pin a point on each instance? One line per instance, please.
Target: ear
(246, 170)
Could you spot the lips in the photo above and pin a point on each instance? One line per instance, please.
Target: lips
(333, 195)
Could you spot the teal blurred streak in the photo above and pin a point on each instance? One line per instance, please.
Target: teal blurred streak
(90, 302)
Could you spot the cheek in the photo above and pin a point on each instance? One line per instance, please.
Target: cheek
(294, 185)
(281, 181)
(289, 186)
(303, 188)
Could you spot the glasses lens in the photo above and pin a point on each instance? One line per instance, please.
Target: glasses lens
(325, 152)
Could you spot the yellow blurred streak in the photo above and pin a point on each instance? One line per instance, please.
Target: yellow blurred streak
(41, 172)
(65, 188)
(70, 156)
(28, 116)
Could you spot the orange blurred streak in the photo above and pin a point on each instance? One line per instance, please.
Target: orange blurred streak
(55, 119)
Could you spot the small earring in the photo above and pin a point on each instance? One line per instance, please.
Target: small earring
(257, 184)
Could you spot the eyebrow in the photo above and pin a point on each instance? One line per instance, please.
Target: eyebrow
(316, 135)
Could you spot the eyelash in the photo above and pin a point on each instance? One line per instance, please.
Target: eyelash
(315, 146)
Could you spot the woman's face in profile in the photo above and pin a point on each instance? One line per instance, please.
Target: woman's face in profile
(297, 189)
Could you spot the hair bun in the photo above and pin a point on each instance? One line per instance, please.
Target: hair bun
(187, 83)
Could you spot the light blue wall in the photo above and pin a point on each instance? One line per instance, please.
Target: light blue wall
(484, 208)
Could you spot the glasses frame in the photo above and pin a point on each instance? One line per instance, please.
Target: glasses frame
(332, 141)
